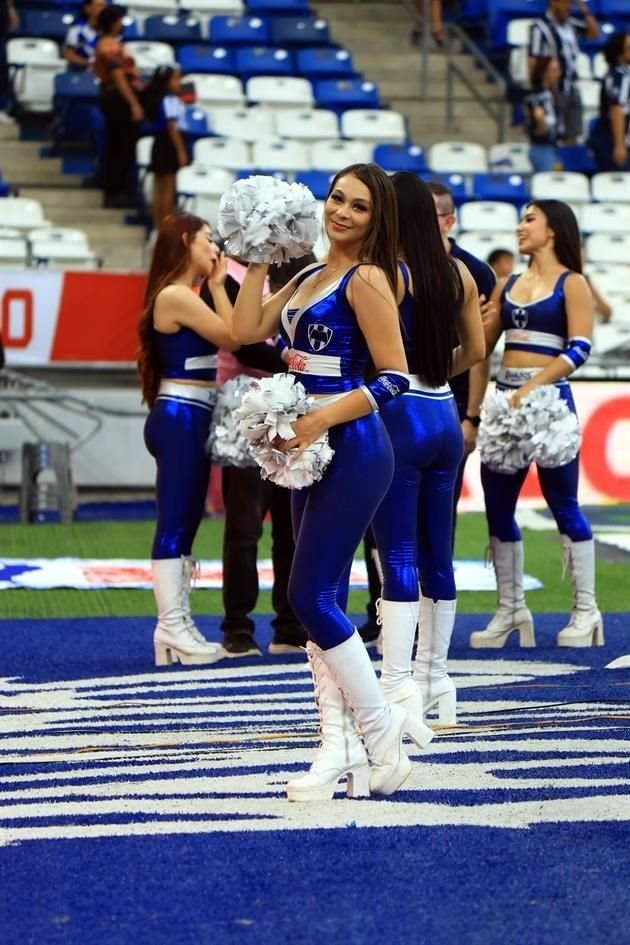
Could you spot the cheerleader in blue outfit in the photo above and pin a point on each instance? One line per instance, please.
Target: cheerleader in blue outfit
(547, 316)
(438, 303)
(179, 339)
(334, 317)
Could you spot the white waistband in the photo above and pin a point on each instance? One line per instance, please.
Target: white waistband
(201, 362)
(322, 400)
(534, 339)
(516, 377)
(417, 384)
(323, 365)
(176, 391)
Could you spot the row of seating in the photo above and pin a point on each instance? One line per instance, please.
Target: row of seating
(45, 246)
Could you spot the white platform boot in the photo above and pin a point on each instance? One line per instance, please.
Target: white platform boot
(586, 627)
(512, 613)
(191, 571)
(173, 640)
(435, 630)
(398, 621)
(341, 752)
(383, 726)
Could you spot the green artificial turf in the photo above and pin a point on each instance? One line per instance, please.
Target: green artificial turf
(133, 540)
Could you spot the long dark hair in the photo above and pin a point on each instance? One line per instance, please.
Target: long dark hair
(614, 48)
(567, 243)
(438, 290)
(379, 246)
(171, 257)
(155, 90)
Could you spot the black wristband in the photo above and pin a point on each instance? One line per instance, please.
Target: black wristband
(474, 420)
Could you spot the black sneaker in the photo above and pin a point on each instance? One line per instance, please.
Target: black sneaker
(369, 633)
(291, 640)
(240, 643)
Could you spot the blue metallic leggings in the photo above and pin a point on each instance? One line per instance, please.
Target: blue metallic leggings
(175, 434)
(413, 524)
(329, 520)
(559, 487)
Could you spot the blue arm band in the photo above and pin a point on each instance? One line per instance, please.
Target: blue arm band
(384, 387)
(576, 352)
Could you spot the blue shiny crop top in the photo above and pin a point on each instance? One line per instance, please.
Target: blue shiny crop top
(327, 350)
(186, 355)
(539, 326)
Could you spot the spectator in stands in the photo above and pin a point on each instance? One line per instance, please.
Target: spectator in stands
(542, 114)
(437, 24)
(555, 36)
(120, 89)
(247, 498)
(164, 107)
(610, 138)
(9, 21)
(501, 261)
(81, 38)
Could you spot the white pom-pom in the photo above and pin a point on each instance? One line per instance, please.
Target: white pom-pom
(263, 219)
(226, 444)
(542, 430)
(267, 411)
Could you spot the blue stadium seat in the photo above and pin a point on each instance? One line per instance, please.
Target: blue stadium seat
(616, 10)
(239, 30)
(512, 188)
(283, 7)
(324, 62)
(46, 24)
(196, 124)
(131, 31)
(318, 182)
(263, 60)
(577, 157)
(456, 183)
(299, 31)
(77, 87)
(339, 95)
(174, 30)
(400, 157)
(212, 59)
(500, 12)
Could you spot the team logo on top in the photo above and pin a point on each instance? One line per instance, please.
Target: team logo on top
(519, 317)
(319, 336)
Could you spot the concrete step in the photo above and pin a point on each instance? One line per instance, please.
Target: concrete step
(77, 198)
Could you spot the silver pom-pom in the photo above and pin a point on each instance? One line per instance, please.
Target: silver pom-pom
(267, 411)
(542, 430)
(263, 219)
(226, 444)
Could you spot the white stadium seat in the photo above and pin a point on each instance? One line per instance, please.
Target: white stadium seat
(518, 31)
(561, 185)
(316, 124)
(201, 188)
(66, 235)
(144, 147)
(367, 124)
(281, 155)
(23, 213)
(331, 156)
(519, 66)
(481, 243)
(37, 62)
(589, 93)
(609, 278)
(217, 89)
(613, 186)
(216, 7)
(608, 248)
(509, 158)
(491, 216)
(55, 254)
(600, 66)
(620, 304)
(605, 218)
(13, 251)
(249, 124)
(148, 56)
(279, 92)
(584, 67)
(32, 50)
(233, 154)
(458, 157)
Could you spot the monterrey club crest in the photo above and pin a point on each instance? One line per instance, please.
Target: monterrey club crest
(519, 317)
(319, 336)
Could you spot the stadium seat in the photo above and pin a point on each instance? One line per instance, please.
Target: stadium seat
(294, 31)
(72, 87)
(508, 187)
(229, 153)
(605, 218)
(590, 92)
(204, 59)
(323, 62)
(32, 51)
(212, 90)
(318, 182)
(59, 255)
(502, 12)
(340, 95)
(509, 158)
(519, 66)
(518, 31)
(481, 243)
(374, 126)
(608, 248)
(277, 7)
(279, 92)
(131, 29)
(239, 31)
(144, 147)
(613, 186)
(489, 215)
(561, 185)
(13, 252)
(584, 67)
(215, 7)
(46, 24)
(313, 124)
(175, 30)
(148, 56)
(199, 189)
(248, 124)
(60, 234)
(620, 304)
(608, 277)
(263, 61)
(21, 213)
(456, 183)
(34, 85)
(331, 156)
(599, 66)
(290, 157)
(576, 157)
(400, 157)
(457, 157)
